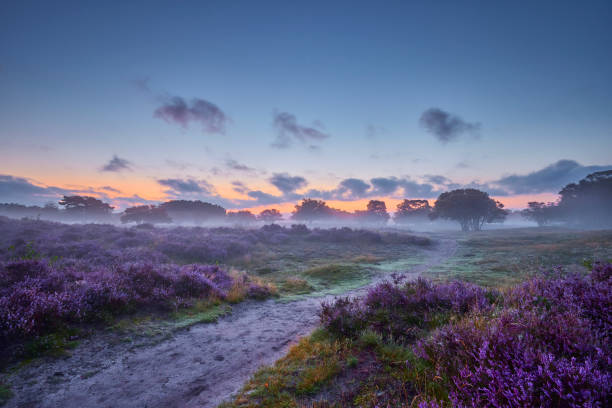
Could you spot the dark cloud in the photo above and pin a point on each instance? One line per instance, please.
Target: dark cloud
(111, 189)
(286, 183)
(289, 130)
(116, 164)
(262, 198)
(186, 186)
(239, 187)
(355, 187)
(177, 110)
(551, 178)
(385, 186)
(141, 84)
(446, 126)
(234, 165)
(23, 191)
(437, 179)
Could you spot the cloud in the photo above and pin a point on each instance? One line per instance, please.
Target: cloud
(239, 187)
(142, 84)
(288, 130)
(373, 131)
(111, 189)
(437, 179)
(117, 164)
(551, 178)
(355, 187)
(234, 165)
(262, 198)
(286, 183)
(186, 186)
(446, 126)
(177, 110)
(23, 191)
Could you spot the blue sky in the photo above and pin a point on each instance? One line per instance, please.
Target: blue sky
(528, 84)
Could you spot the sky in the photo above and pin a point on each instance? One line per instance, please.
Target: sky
(259, 104)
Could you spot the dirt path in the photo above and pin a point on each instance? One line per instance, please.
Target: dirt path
(199, 367)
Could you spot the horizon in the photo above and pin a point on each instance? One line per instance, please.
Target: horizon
(248, 106)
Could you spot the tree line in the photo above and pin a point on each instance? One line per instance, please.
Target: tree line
(584, 203)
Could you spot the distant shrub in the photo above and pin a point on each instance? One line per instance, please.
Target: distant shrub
(401, 312)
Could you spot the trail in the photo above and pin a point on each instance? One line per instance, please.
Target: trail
(200, 367)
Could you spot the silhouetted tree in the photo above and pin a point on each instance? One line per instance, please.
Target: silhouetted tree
(193, 211)
(145, 213)
(313, 210)
(412, 210)
(470, 207)
(541, 213)
(85, 206)
(241, 217)
(589, 201)
(270, 215)
(376, 213)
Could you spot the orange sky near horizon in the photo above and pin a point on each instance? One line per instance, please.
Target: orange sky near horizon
(150, 190)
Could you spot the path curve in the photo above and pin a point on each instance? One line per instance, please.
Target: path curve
(199, 367)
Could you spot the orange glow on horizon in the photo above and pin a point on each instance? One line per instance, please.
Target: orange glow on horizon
(150, 190)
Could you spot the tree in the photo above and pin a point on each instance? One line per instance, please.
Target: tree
(193, 211)
(270, 215)
(241, 217)
(539, 212)
(412, 210)
(589, 201)
(470, 207)
(311, 210)
(85, 206)
(376, 213)
(145, 213)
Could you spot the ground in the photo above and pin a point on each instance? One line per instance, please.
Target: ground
(148, 363)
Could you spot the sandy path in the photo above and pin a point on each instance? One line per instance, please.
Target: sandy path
(199, 367)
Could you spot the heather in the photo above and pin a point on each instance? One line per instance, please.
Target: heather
(55, 276)
(104, 244)
(548, 345)
(544, 342)
(37, 297)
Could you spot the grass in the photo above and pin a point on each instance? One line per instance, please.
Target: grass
(324, 267)
(5, 394)
(324, 371)
(504, 257)
(307, 367)
(147, 325)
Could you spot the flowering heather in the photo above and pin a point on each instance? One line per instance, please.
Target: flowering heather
(36, 297)
(100, 244)
(549, 346)
(545, 342)
(401, 312)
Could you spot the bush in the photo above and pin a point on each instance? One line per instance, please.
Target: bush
(548, 347)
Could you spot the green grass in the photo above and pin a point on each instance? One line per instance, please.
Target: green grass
(201, 312)
(316, 268)
(5, 394)
(54, 344)
(147, 325)
(324, 371)
(505, 257)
